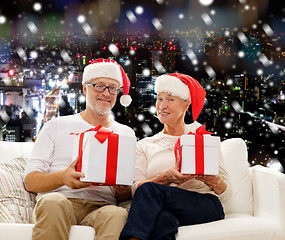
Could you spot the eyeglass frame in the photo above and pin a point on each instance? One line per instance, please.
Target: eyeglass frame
(104, 88)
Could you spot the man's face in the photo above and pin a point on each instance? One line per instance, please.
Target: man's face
(100, 102)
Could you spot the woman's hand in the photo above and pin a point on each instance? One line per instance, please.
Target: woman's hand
(215, 182)
(173, 175)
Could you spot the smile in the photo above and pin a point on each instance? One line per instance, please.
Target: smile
(104, 100)
(163, 114)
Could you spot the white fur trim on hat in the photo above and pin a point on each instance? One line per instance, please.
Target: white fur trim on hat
(125, 100)
(102, 69)
(172, 85)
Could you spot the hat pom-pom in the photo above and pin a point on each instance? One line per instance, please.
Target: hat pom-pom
(125, 100)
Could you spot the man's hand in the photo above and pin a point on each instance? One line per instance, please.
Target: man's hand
(39, 182)
(71, 177)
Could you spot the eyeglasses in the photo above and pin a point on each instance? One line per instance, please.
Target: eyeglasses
(102, 88)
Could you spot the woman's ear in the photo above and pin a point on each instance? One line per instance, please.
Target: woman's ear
(187, 105)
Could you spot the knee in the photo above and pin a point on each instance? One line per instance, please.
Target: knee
(113, 212)
(53, 202)
(147, 188)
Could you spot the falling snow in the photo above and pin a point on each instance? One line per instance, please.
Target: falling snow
(237, 64)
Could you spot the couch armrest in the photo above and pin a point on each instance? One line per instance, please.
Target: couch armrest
(269, 194)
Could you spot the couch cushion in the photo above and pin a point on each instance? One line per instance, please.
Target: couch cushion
(234, 155)
(15, 231)
(10, 150)
(244, 227)
(16, 204)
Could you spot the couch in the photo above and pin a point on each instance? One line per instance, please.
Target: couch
(256, 210)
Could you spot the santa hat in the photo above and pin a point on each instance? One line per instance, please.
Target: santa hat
(185, 87)
(109, 69)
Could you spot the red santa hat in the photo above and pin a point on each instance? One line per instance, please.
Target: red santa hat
(185, 87)
(109, 69)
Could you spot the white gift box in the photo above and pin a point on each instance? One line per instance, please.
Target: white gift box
(211, 149)
(95, 159)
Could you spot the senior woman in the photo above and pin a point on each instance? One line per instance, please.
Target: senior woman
(164, 198)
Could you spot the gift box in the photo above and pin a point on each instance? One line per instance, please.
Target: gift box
(199, 153)
(105, 157)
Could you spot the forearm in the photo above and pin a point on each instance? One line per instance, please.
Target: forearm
(160, 179)
(43, 182)
(220, 187)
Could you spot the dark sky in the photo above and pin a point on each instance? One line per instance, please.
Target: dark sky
(174, 14)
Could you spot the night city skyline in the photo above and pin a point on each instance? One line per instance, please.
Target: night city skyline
(236, 50)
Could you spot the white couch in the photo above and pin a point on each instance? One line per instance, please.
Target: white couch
(255, 212)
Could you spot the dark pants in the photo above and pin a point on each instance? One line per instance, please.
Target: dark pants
(158, 210)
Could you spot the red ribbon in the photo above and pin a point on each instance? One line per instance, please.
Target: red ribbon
(199, 149)
(112, 152)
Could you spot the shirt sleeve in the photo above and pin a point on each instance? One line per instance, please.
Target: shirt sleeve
(140, 166)
(226, 195)
(41, 155)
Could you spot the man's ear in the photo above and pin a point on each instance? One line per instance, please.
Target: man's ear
(84, 90)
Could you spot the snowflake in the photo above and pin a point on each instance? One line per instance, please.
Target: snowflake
(37, 7)
(228, 125)
(32, 27)
(264, 60)
(207, 19)
(227, 33)
(267, 29)
(249, 122)
(210, 71)
(2, 19)
(132, 52)
(259, 72)
(236, 106)
(241, 54)
(34, 54)
(81, 19)
(114, 50)
(65, 56)
(147, 129)
(146, 72)
(22, 54)
(81, 99)
(192, 56)
(139, 10)
(230, 82)
(131, 16)
(87, 29)
(206, 2)
(160, 1)
(157, 24)
(242, 38)
(140, 117)
(152, 110)
(159, 67)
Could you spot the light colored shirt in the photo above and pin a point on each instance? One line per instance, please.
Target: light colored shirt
(155, 155)
(53, 150)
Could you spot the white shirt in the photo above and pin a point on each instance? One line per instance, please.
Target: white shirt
(155, 155)
(53, 149)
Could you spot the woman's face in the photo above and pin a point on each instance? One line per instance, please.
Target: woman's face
(170, 109)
